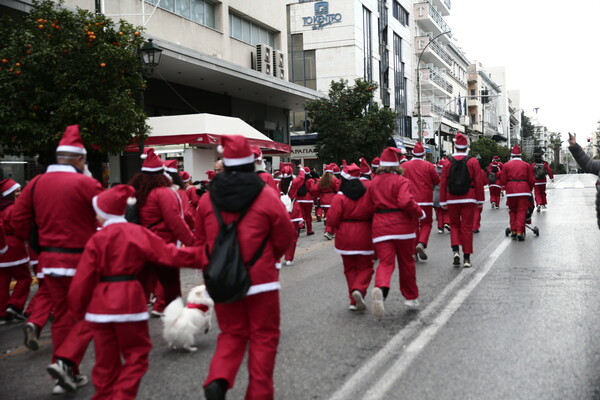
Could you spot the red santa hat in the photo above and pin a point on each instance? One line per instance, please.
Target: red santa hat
(112, 203)
(8, 186)
(496, 158)
(389, 157)
(461, 142)
(335, 168)
(185, 176)
(257, 152)
(365, 169)
(351, 172)
(286, 172)
(329, 168)
(152, 162)
(419, 150)
(403, 159)
(171, 166)
(306, 170)
(516, 151)
(375, 163)
(211, 175)
(344, 164)
(71, 141)
(236, 151)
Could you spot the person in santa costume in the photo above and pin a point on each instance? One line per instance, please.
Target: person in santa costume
(394, 225)
(260, 168)
(441, 215)
(14, 259)
(189, 212)
(161, 211)
(365, 172)
(461, 207)
(289, 185)
(304, 198)
(39, 309)
(106, 293)
(478, 210)
(495, 163)
(253, 322)
(350, 215)
(59, 202)
(517, 178)
(539, 189)
(374, 165)
(190, 189)
(494, 177)
(423, 176)
(327, 187)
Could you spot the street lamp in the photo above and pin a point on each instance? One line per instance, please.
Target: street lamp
(419, 121)
(150, 54)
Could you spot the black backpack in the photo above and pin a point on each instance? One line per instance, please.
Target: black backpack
(492, 176)
(539, 171)
(459, 180)
(226, 276)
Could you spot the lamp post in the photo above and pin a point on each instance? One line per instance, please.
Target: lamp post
(150, 54)
(419, 121)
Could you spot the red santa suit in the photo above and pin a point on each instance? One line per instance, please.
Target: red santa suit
(423, 177)
(253, 322)
(478, 210)
(441, 215)
(539, 187)
(326, 193)
(39, 308)
(517, 178)
(394, 225)
(304, 198)
(62, 198)
(14, 259)
(107, 294)
(495, 187)
(461, 208)
(365, 172)
(190, 189)
(259, 168)
(350, 215)
(296, 214)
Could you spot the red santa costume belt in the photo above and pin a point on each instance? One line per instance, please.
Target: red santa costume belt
(75, 250)
(388, 210)
(118, 278)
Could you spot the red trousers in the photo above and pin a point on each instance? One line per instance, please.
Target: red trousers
(70, 337)
(540, 194)
(477, 218)
(159, 294)
(121, 351)
(424, 229)
(461, 225)
(40, 306)
(18, 298)
(307, 215)
(517, 211)
(358, 270)
(251, 323)
(442, 217)
(291, 251)
(403, 250)
(495, 195)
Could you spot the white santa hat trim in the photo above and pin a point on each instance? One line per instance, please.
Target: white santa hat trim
(348, 176)
(156, 169)
(233, 162)
(173, 170)
(186, 180)
(71, 149)
(11, 189)
(328, 170)
(388, 163)
(102, 213)
(420, 154)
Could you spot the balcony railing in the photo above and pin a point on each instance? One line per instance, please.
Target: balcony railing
(437, 18)
(438, 79)
(436, 48)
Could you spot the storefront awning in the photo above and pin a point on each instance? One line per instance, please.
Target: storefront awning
(206, 130)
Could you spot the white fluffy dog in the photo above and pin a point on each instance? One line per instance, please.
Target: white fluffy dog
(183, 325)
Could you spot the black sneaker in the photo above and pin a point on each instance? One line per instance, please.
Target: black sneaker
(6, 319)
(456, 259)
(32, 334)
(15, 312)
(216, 390)
(63, 375)
(520, 237)
(447, 226)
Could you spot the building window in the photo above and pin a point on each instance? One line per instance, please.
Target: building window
(400, 13)
(303, 63)
(400, 82)
(249, 32)
(200, 11)
(367, 50)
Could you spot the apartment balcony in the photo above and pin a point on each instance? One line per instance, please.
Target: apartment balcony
(434, 53)
(427, 16)
(443, 6)
(435, 79)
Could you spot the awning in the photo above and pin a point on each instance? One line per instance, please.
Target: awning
(206, 130)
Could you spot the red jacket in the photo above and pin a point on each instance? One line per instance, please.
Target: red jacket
(396, 211)
(268, 179)
(474, 195)
(266, 218)
(498, 164)
(121, 248)
(423, 176)
(543, 180)
(326, 195)
(189, 212)
(351, 221)
(498, 183)
(162, 213)
(192, 196)
(63, 212)
(517, 178)
(16, 254)
(309, 184)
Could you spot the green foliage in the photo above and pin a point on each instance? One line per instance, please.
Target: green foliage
(59, 68)
(350, 124)
(487, 149)
(527, 126)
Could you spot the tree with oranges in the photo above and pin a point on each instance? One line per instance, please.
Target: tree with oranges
(59, 67)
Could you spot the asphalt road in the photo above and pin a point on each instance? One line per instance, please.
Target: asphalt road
(521, 324)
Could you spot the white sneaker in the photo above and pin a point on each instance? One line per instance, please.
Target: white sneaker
(80, 381)
(63, 375)
(412, 303)
(156, 314)
(360, 301)
(467, 264)
(421, 251)
(352, 307)
(377, 302)
(456, 259)
(441, 231)
(288, 263)
(328, 236)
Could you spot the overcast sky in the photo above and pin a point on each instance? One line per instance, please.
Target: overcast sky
(551, 52)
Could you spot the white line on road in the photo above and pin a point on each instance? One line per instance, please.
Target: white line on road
(362, 378)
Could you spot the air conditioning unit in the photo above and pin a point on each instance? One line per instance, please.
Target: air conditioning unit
(264, 59)
(279, 70)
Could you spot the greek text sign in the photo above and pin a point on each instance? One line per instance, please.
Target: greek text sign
(304, 152)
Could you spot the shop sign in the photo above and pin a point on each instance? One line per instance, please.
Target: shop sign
(303, 152)
(322, 16)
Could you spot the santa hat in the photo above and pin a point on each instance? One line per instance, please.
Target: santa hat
(375, 163)
(329, 168)
(351, 172)
(344, 164)
(419, 150)
(236, 151)
(335, 168)
(389, 157)
(365, 169)
(461, 142)
(71, 141)
(152, 162)
(496, 158)
(516, 151)
(185, 177)
(211, 175)
(286, 172)
(171, 166)
(257, 152)
(403, 159)
(112, 203)
(8, 186)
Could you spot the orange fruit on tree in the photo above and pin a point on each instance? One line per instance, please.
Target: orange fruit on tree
(102, 65)
(41, 26)
(17, 64)
(4, 61)
(136, 33)
(17, 72)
